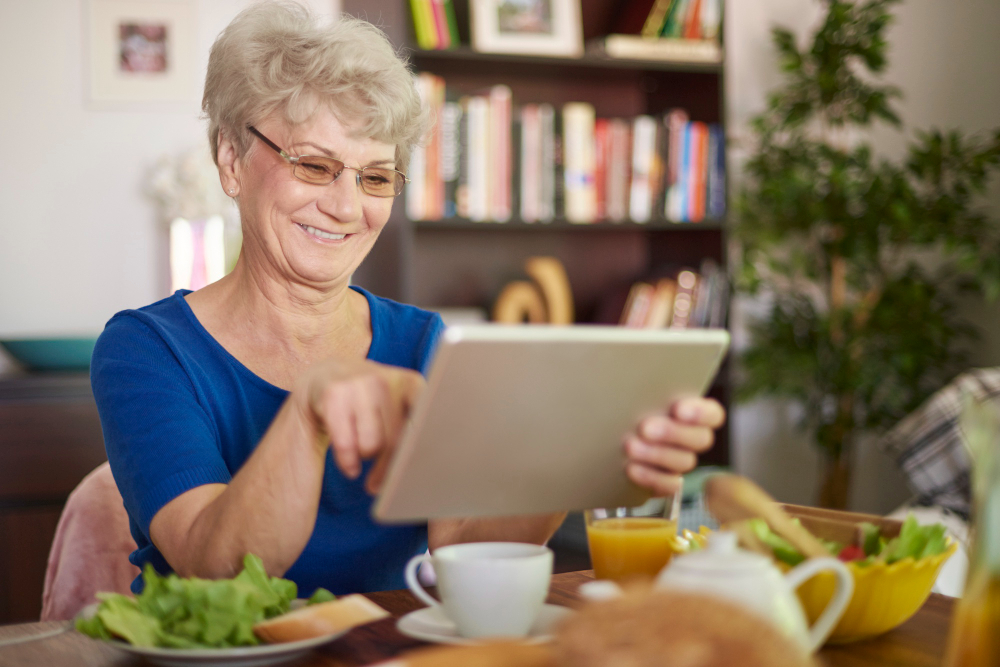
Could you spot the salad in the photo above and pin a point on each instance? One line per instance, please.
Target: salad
(178, 612)
(914, 541)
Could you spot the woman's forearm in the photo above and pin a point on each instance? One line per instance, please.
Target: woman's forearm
(532, 529)
(269, 508)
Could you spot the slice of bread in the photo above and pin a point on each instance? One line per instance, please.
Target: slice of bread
(321, 619)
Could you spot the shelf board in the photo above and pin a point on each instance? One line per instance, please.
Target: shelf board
(589, 60)
(563, 225)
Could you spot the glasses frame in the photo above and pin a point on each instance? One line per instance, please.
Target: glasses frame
(294, 162)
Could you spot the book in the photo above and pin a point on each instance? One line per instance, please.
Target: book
(500, 153)
(687, 284)
(673, 27)
(462, 187)
(692, 22)
(656, 18)
(549, 163)
(531, 163)
(578, 163)
(451, 150)
(703, 294)
(662, 306)
(640, 298)
(416, 190)
(711, 19)
(449, 11)
(668, 50)
(423, 24)
(618, 170)
(630, 19)
(602, 149)
(477, 129)
(434, 92)
(716, 173)
(643, 149)
(440, 24)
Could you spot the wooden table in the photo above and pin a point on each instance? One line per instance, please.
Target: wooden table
(918, 643)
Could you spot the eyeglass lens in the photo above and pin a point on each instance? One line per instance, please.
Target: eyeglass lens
(375, 181)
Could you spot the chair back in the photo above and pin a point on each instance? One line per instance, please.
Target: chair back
(91, 548)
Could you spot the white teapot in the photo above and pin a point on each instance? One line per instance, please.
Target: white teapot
(753, 581)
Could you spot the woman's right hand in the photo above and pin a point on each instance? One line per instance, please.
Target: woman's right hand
(359, 408)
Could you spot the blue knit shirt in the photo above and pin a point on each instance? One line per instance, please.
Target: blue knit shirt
(179, 411)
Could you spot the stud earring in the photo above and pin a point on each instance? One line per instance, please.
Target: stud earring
(232, 191)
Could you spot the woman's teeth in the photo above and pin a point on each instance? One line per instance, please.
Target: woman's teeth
(319, 233)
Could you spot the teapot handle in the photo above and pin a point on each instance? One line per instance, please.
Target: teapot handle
(824, 625)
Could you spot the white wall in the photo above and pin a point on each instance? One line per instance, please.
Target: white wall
(78, 240)
(946, 58)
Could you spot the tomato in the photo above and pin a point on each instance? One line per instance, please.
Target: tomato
(851, 552)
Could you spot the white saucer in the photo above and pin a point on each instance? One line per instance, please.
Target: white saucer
(431, 625)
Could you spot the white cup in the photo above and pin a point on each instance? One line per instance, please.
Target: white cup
(488, 589)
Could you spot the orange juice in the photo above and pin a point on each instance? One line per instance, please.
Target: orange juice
(633, 546)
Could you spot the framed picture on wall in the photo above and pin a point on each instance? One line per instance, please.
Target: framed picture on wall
(535, 27)
(141, 51)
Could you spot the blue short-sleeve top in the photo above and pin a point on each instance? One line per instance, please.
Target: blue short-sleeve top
(179, 411)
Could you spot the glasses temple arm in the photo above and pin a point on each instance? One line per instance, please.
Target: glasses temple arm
(267, 141)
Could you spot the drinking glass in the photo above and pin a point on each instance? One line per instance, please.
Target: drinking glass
(632, 542)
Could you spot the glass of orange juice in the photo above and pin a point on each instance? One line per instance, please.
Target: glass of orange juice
(631, 542)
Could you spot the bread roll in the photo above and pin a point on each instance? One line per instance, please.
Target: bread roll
(317, 620)
(671, 629)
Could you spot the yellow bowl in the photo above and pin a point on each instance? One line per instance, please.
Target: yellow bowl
(885, 596)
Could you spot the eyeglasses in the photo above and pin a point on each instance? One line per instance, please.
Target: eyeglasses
(318, 170)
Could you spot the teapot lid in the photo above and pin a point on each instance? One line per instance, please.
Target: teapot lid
(721, 555)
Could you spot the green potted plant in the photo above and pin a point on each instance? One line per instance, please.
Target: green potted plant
(860, 258)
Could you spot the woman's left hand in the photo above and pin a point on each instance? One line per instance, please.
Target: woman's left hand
(665, 446)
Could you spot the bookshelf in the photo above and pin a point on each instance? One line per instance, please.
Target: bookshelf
(456, 263)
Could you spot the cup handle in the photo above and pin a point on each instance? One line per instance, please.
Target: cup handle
(414, 584)
(824, 625)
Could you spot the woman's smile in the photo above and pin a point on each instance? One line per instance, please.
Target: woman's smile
(322, 236)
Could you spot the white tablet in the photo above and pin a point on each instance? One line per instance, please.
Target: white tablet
(530, 419)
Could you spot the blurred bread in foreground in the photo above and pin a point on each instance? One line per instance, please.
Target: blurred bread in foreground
(670, 629)
(488, 654)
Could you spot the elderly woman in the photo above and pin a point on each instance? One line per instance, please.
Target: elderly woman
(257, 414)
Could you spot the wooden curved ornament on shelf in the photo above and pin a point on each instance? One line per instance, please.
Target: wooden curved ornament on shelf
(550, 276)
(520, 302)
(548, 299)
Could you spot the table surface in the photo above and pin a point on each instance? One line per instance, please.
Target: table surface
(919, 642)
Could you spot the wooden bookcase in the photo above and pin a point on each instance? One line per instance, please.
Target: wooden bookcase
(457, 263)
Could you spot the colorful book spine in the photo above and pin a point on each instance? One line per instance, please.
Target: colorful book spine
(451, 121)
(602, 155)
(717, 173)
(479, 158)
(619, 170)
(531, 163)
(549, 163)
(643, 149)
(500, 153)
(578, 163)
(443, 35)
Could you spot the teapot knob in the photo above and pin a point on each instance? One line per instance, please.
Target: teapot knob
(599, 590)
(722, 542)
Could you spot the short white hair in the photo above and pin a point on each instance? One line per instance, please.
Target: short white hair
(275, 56)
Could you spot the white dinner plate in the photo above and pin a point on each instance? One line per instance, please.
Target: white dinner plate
(243, 656)
(431, 625)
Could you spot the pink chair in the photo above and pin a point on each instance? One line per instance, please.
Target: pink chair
(91, 548)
